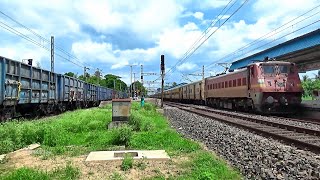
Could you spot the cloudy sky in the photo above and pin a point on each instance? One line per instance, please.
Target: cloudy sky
(110, 34)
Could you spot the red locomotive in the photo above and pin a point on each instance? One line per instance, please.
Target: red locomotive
(268, 87)
(272, 87)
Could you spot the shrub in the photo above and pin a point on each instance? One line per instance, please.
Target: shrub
(6, 146)
(148, 126)
(122, 135)
(149, 107)
(52, 136)
(127, 162)
(136, 121)
(94, 125)
(26, 174)
(141, 164)
(29, 134)
(68, 172)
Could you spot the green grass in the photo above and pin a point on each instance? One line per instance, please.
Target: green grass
(78, 132)
(68, 172)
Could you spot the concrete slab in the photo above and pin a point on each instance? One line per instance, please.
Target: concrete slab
(33, 146)
(118, 155)
(2, 157)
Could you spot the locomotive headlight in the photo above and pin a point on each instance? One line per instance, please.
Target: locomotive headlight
(270, 99)
(261, 81)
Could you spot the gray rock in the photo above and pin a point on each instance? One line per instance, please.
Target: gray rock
(255, 156)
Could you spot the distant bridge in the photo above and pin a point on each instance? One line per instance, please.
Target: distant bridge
(303, 50)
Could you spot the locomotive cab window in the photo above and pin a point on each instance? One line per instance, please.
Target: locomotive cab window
(268, 69)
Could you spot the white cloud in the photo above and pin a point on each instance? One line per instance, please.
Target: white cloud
(177, 41)
(187, 66)
(19, 52)
(103, 52)
(198, 15)
(209, 4)
(160, 23)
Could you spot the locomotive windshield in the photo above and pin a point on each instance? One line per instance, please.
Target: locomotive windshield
(276, 69)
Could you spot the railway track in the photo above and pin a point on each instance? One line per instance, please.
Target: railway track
(303, 138)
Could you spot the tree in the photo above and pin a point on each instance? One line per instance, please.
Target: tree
(71, 74)
(111, 80)
(309, 85)
(141, 90)
(174, 84)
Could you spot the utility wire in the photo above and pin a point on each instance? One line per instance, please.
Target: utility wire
(186, 57)
(212, 24)
(40, 37)
(266, 35)
(196, 48)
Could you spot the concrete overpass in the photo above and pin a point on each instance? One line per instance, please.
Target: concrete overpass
(303, 50)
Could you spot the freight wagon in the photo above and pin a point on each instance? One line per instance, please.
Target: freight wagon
(26, 89)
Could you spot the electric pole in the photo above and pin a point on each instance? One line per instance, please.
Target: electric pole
(98, 74)
(85, 73)
(52, 54)
(162, 77)
(134, 84)
(144, 74)
(202, 72)
(131, 65)
(141, 74)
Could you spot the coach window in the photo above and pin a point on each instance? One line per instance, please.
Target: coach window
(234, 83)
(244, 81)
(226, 84)
(222, 84)
(208, 87)
(239, 82)
(230, 83)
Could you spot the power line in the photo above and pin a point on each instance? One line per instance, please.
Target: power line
(267, 35)
(11, 29)
(212, 24)
(187, 56)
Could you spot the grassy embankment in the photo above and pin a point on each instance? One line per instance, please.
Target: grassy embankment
(81, 131)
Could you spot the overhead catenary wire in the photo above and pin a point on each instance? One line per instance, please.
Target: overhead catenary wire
(195, 49)
(266, 36)
(212, 24)
(12, 30)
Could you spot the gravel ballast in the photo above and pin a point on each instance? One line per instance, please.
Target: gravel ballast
(255, 156)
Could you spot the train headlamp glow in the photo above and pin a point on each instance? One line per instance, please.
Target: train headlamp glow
(260, 81)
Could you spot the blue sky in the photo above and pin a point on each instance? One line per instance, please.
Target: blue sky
(110, 34)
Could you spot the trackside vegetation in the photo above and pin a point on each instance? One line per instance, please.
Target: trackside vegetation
(79, 132)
